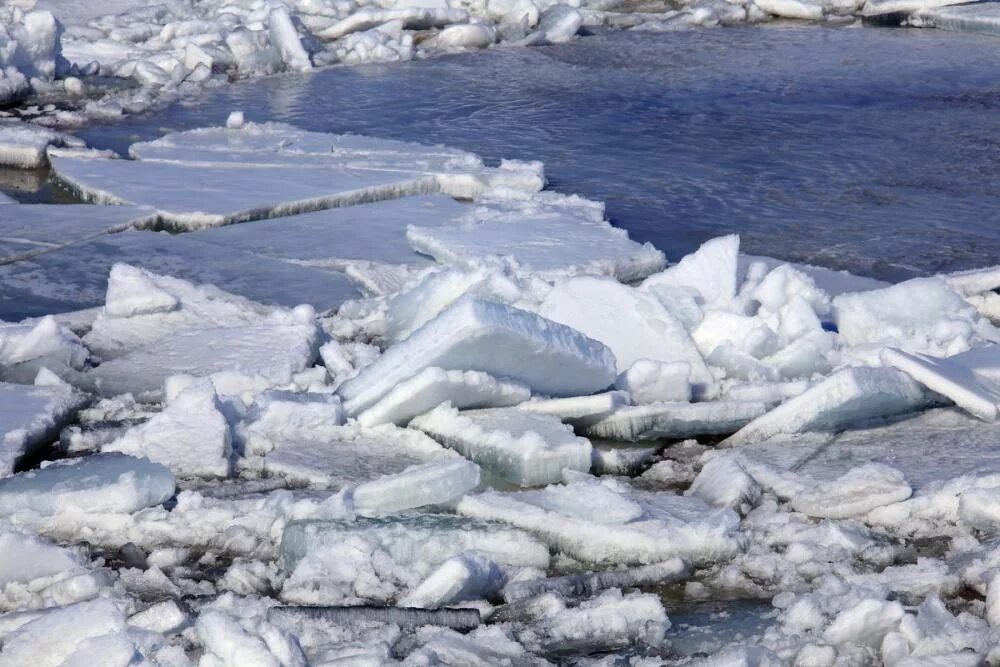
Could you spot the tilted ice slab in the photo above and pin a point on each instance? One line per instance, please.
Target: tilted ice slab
(433, 483)
(534, 234)
(468, 576)
(99, 483)
(879, 7)
(846, 398)
(522, 447)
(978, 395)
(216, 176)
(333, 562)
(665, 527)
(433, 386)
(710, 271)
(342, 456)
(35, 573)
(676, 420)
(76, 277)
(33, 228)
(634, 324)
(505, 342)
(238, 359)
(31, 416)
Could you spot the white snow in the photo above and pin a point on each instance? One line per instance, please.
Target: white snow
(521, 447)
(496, 339)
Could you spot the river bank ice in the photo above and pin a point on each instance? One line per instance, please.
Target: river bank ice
(373, 430)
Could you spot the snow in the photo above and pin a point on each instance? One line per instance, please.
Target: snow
(976, 394)
(676, 420)
(632, 324)
(505, 342)
(847, 398)
(433, 386)
(532, 231)
(100, 483)
(31, 416)
(521, 447)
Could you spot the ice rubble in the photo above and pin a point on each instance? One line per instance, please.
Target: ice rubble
(31, 416)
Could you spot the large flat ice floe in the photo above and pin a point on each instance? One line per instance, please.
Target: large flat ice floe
(217, 176)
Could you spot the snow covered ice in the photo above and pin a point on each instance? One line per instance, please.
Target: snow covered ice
(457, 418)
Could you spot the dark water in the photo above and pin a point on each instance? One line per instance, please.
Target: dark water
(874, 150)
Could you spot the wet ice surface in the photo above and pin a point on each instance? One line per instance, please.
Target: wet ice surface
(881, 165)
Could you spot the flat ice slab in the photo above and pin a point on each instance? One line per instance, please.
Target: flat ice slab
(338, 237)
(505, 342)
(31, 416)
(676, 420)
(880, 7)
(98, 483)
(253, 357)
(522, 447)
(534, 234)
(846, 398)
(76, 277)
(216, 176)
(975, 394)
(433, 483)
(433, 386)
(624, 528)
(32, 227)
(340, 456)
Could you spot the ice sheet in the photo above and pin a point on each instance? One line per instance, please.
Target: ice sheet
(978, 395)
(32, 416)
(505, 342)
(76, 277)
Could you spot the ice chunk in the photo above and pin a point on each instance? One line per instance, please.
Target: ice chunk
(866, 623)
(846, 398)
(710, 271)
(749, 335)
(919, 315)
(723, 482)
(854, 494)
(468, 36)
(191, 435)
(237, 358)
(578, 408)
(669, 527)
(31, 416)
(880, 7)
(339, 456)
(434, 483)
(978, 395)
(581, 585)
(468, 576)
(35, 574)
(164, 617)
(285, 38)
(975, 281)
(676, 420)
(333, 562)
(522, 447)
(342, 237)
(226, 640)
(611, 620)
(99, 483)
(433, 386)
(784, 283)
(792, 9)
(633, 324)
(277, 418)
(410, 14)
(24, 145)
(29, 347)
(831, 282)
(533, 233)
(505, 342)
(64, 635)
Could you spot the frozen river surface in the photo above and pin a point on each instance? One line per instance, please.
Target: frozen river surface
(873, 150)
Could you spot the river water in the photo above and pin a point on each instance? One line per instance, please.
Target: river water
(873, 150)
